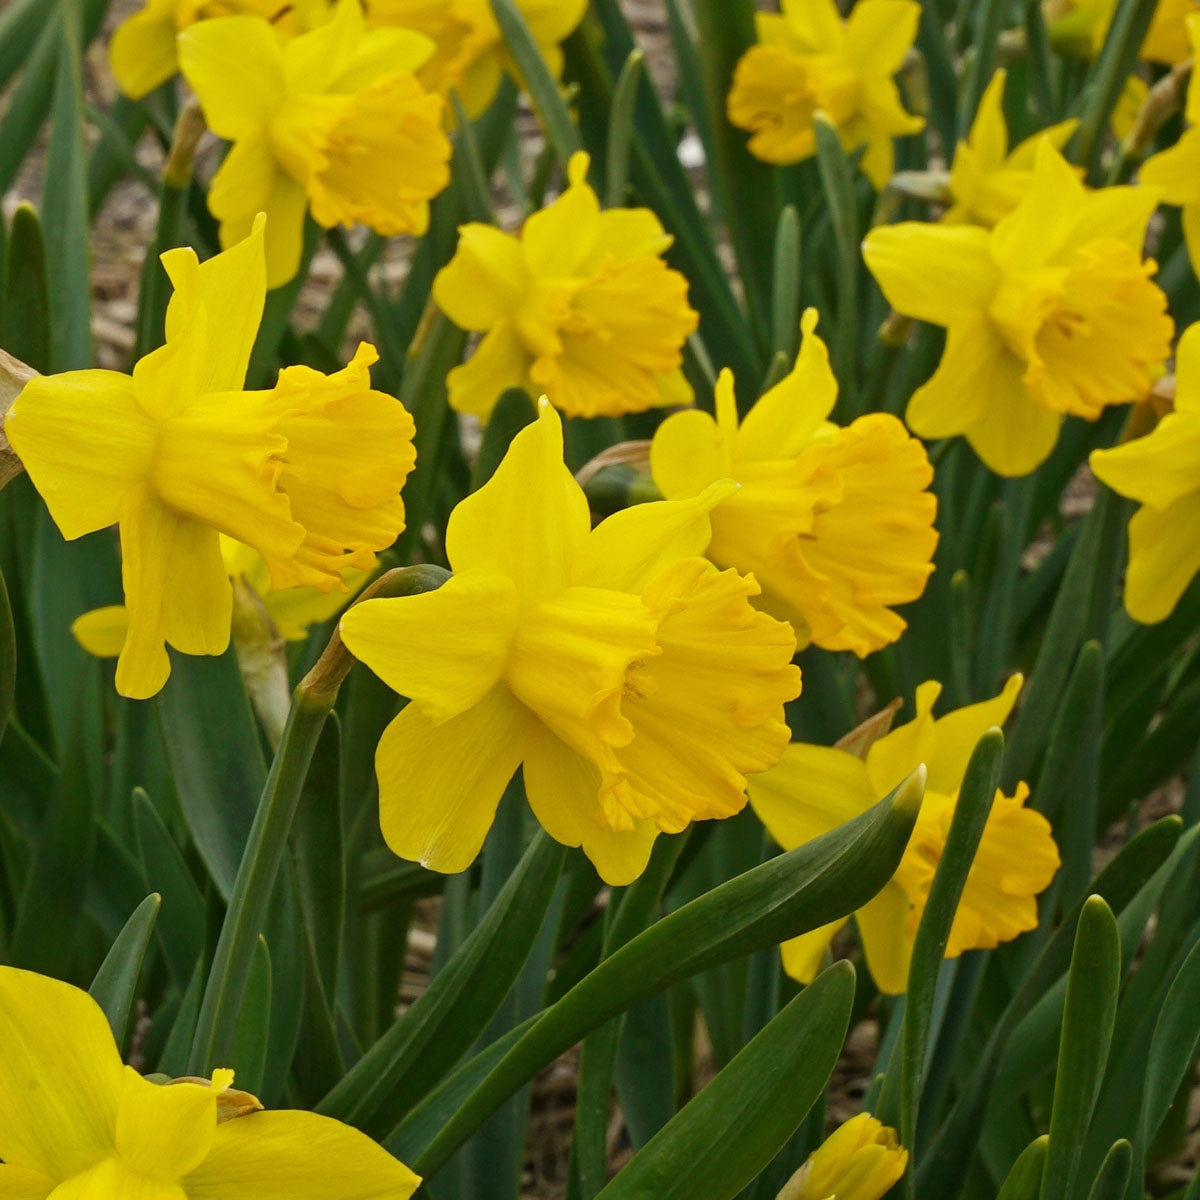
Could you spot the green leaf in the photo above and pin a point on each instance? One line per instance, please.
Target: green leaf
(1113, 1177)
(181, 928)
(812, 885)
(971, 813)
(248, 1055)
(1173, 1047)
(65, 204)
(620, 129)
(29, 101)
(116, 981)
(26, 297)
(725, 1136)
(216, 757)
(785, 286)
(1093, 982)
(1024, 1179)
(426, 1042)
(535, 74)
(8, 657)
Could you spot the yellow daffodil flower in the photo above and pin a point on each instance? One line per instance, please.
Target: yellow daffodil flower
(1162, 472)
(1081, 26)
(809, 60)
(470, 55)
(629, 677)
(308, 474)
(835, 524)
(816, 788)
(860, 1160)
(579, 307)
(102, 631)
(78, 1125)
(1050, 313)
(143, 52)
(987, 181)
(333, 122)
(1177, 169)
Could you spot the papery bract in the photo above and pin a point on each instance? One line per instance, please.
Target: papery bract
(835, 523)
(632, 680)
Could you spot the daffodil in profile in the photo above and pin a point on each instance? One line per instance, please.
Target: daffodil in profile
(632, 680)
(816, 788)
(860, 1160)
(1162, 472)
(470, 54)
(1176, 170)
(987, 179)
(308, 474)
(334, 122)
(143, 51)
(78, 1125)
(1080, 27)
(1051, 313)
(836, 524)
(809, 60)
(580, 307)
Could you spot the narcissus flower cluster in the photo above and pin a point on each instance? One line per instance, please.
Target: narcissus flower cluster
(471, 56)
(632, 681)
(1051, 313)
(333, 122)
(860, 1160)
(308, 473)
(1162, 472)
(816, 788)
(835, 523)
(809, 60)
(579, 307)
(79, 1125)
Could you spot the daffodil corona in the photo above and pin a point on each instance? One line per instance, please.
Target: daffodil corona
(835, 524)
(308, 474)
(809, 60)
(580, 307)
(470, 55)
(333, 122)
(816, 788)
(631, 679)
(860, 1160)
(1050, 313)
(1162, 472)
(77, 1125)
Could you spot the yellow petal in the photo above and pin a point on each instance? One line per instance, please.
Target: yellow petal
(60, 1060)
(898, 753)
(485, 280)
(688, 453)
(989, 131)
(811, 790)
(785, 418)
(439, 785)
(937, 273)
(235, 67)
(444, 649)
(887, 944)
(164, 1132)
(955, 736)
(1176, 170)
(627, 233)
(804, 956)
(113, 1178)
(879, 33)
(563, 787)
(102, 631)
(814, 25)
(16, 1183)
(297, 1156)
(500, 361)
(530, 521)
(142, 51)
(1187, 372)
(773, 97)
(230, 288)
(382, 52)
(628, 549)
(85, 442)
(1164, 556)
(560, 236)
(1157, 469)
(176, 590)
